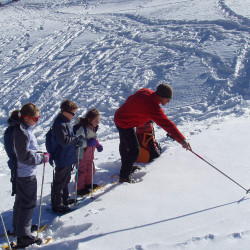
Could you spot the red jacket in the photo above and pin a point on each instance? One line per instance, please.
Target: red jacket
(141, 107)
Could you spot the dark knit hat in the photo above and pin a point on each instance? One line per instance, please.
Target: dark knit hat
(164, 90)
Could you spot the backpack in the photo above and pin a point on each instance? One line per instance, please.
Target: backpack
(51, 145)
(77, 126)
(12, 162)
(149, 148)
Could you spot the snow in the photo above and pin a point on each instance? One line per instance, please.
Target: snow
(99, 52)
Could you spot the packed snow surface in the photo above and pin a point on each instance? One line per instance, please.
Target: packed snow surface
(99, 52)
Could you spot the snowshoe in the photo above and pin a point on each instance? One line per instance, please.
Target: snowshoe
(126, 179)
(25, 241)
(83, 191)
(136, 167)
(89, 186)
(69, 202)
(34, 228)
(61, 209)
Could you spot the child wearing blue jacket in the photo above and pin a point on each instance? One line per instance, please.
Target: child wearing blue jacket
(65, 156)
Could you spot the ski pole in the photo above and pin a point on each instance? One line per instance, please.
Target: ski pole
(41, 197)
(247, 190)
(92, 179)
(5, 233)
(77, 169)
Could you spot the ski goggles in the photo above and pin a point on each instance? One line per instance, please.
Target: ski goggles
(35, 119)
(70, 112)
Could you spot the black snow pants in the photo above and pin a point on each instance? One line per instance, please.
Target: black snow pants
(60, 192)
(129, 150)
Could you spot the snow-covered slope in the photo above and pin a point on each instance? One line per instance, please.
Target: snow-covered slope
(97, 53)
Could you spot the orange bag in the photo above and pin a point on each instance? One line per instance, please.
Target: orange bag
(149, 148)
(144, 155)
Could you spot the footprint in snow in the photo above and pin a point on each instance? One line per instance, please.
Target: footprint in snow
(196, 239)
(137, 247)
(236, 235)
(93, 211)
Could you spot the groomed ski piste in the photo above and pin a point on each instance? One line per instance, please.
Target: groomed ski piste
(97, 53)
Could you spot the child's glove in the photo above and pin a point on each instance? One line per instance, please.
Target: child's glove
(91, 142)
(99, 148)
(80, 140)
(46, 157)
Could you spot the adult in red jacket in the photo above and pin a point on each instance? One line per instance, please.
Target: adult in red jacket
(139, 108)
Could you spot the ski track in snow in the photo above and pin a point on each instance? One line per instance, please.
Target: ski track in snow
(122, 53)
(232, 15)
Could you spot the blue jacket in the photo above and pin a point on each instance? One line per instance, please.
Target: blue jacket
(66, 150)
(25, 147)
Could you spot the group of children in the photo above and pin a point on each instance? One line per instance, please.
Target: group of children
(77, 145)
(73, 145)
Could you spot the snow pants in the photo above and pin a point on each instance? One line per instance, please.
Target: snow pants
(85, 173)
(60, 191)
(25, 202)
(129, 150)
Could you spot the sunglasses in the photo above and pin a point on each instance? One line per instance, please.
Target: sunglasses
(35, 119)
(70, 113)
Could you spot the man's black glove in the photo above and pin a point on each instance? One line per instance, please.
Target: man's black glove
(80, 141)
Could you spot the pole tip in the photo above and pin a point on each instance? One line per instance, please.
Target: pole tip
(248, 191)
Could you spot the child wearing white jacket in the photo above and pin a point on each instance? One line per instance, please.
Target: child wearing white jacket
(87, 127)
